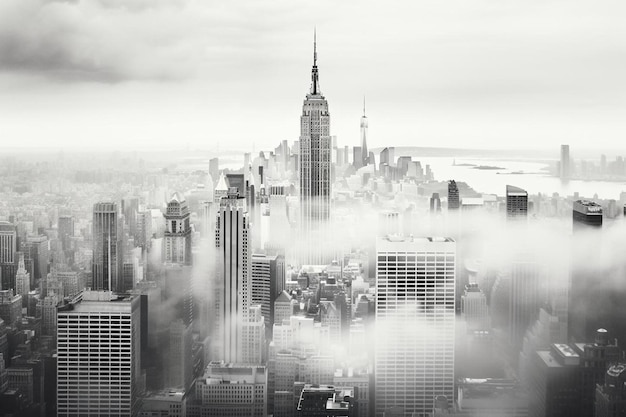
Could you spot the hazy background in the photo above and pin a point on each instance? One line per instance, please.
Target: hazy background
(221, 75)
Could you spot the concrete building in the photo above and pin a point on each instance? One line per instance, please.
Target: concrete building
(177, 237)
(326, 401)
(586, 215)
(268, 282)
(169, 403)
(98, 356)
(8, 247)
(415, 321)
(22, 278)
(180, 366)
(283, 307)
(516, 202)
(10, 308)
(454, 203)
(107, 248)
(611, 394)
(230, 390)
(233, 287)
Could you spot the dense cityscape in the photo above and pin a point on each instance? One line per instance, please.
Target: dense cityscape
(317, 278)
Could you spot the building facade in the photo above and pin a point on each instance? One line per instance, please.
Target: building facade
(415, 323)
(107, 253)
(177, 237)
(98, 349)
(314, 169)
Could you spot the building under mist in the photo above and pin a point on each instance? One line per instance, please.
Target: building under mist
(107, 248)
(8, 248)
(98, 356)
(315, 170)
(564, 166)
(453, 196)
(177, 236)
(516, 202)
(586, 215)
(233, 292)
(415, 323)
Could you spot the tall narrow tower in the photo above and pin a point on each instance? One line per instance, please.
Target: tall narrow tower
(364, 152)
(315, 164)
(177, 232)
(106, 248)
(232, 242)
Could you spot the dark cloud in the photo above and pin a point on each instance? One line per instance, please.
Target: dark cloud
(107, 41)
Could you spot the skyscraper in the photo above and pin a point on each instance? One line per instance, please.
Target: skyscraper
(177, 239)
(102, 377)
(268, 282)
(453, 196)
(314, 167)
(516, 202)
(364, 151)
(586, 215)
(8, 247)
(232, 242)
(22, 278)
(565, 163)
(107, 254)
(66, 230)
(415, 319)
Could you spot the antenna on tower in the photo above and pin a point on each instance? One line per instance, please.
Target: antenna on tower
(315, 46)
(363, 106)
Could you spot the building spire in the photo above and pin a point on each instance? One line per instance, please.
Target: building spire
(315, 47)
(315, 88)
(363, 106)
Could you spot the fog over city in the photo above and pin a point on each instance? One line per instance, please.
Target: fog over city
(286, 209)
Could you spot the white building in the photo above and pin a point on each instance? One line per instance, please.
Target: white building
(415, 319)
(233, 286)
(98, 356)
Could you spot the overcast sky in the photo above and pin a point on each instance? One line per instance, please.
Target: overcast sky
(452, 73)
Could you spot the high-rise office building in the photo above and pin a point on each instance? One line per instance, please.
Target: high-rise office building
(454, 203)
(564, 171)
(36, 255)
(180, 369)
(314, 169)
(435, 203)
(177, 237)
(232, 242)
(268, 282)
(66, 230)
(364, 124)
(587, 287)
(516, 202)
(8, 247)
(107, 248)
(527, 293)
(22, 278)
(610, 395)
(415, 323)
(10, 308)
(586, 215)
(98, 356)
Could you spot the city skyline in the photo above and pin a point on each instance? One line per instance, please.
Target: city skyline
(325, 274)
(478, 73)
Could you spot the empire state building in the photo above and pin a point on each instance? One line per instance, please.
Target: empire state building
(314, 167)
